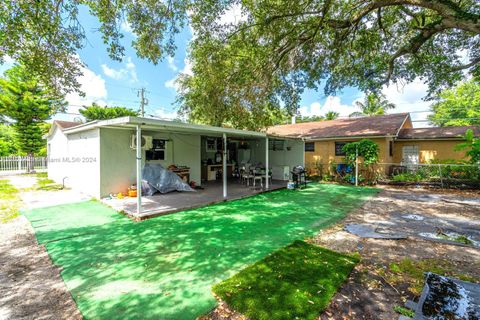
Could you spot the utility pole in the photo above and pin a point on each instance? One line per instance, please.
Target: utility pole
(143, 101)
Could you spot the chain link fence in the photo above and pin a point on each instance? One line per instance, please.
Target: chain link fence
(436, 174)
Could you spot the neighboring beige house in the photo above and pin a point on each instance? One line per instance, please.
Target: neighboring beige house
(398, 141)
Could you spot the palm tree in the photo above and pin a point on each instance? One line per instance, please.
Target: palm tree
(374, 104)
(331, 115)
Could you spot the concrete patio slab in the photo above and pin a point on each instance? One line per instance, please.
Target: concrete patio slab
(160, 204)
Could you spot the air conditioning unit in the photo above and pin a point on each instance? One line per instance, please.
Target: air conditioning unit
(147, 143)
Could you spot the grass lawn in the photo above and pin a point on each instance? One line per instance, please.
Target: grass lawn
(164, 268)
(295, 282)
(9, 201)
(45, 184)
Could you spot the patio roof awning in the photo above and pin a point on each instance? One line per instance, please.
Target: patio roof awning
(172, 126)
(140, 124)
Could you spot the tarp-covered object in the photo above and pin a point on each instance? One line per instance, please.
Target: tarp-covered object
(157, 178)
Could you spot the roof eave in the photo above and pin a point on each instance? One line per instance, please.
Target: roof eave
(349, 137)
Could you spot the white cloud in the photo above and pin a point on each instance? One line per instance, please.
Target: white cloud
(167, 115)
(93, 85)
(187, 69)
(127, 28)
(128, 72)
(171, 63)
(8, 62)
(232, 15)
(332, 103)
(172, 84)
(408, 98)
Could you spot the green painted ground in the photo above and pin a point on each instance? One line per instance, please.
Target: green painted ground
(164, 268)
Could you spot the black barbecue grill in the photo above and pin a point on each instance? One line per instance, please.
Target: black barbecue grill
(299, 176)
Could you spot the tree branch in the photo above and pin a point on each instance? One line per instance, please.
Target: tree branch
(461, 67)
(414, 45)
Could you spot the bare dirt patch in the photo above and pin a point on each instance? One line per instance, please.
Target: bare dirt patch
(30, 286)
(391, 271)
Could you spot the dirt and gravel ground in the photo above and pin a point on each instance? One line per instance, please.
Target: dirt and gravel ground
(30, 285)
(368, 294)
(372, 290)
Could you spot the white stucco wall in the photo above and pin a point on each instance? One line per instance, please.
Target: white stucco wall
(57, 146)
(117, 161)
(118, 165)
(76, 157)
(182, 150)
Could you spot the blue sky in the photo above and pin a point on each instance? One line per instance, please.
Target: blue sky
(109, 82)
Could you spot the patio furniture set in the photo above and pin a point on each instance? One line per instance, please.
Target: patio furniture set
(254, 174)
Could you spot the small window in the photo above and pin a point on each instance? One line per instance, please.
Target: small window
(158, 150)
(276, 145)
(309, 146)
(339, 148)
(390, 148)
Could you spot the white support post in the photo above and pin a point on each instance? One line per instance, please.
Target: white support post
(224, 160)
(139, 169)
(356, 166)
(266, 164)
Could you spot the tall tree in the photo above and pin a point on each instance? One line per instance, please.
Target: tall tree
(222, 92)
(7, 140)
(358, 43)
(374, 104)
(96, 112)
(28, 104)
(331, 115)
(459, 106)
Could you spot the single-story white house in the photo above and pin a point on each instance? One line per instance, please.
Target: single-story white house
(100, 157)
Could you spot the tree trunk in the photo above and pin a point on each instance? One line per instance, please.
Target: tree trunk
(30, 163)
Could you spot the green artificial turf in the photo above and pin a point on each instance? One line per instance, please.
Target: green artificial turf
(164, 268)
(295, 282)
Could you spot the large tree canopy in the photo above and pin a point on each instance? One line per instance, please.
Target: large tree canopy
(277, 49)
(44, 36)
(459, 106)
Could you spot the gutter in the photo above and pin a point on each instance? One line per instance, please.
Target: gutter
(349, 138)
(162, 124)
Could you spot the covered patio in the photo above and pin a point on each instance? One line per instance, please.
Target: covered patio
(212, 192)
(210, 159)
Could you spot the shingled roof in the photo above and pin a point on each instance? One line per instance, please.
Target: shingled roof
(436, 133)
(378, 126)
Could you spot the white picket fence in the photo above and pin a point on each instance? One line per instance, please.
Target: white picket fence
(18, 164)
